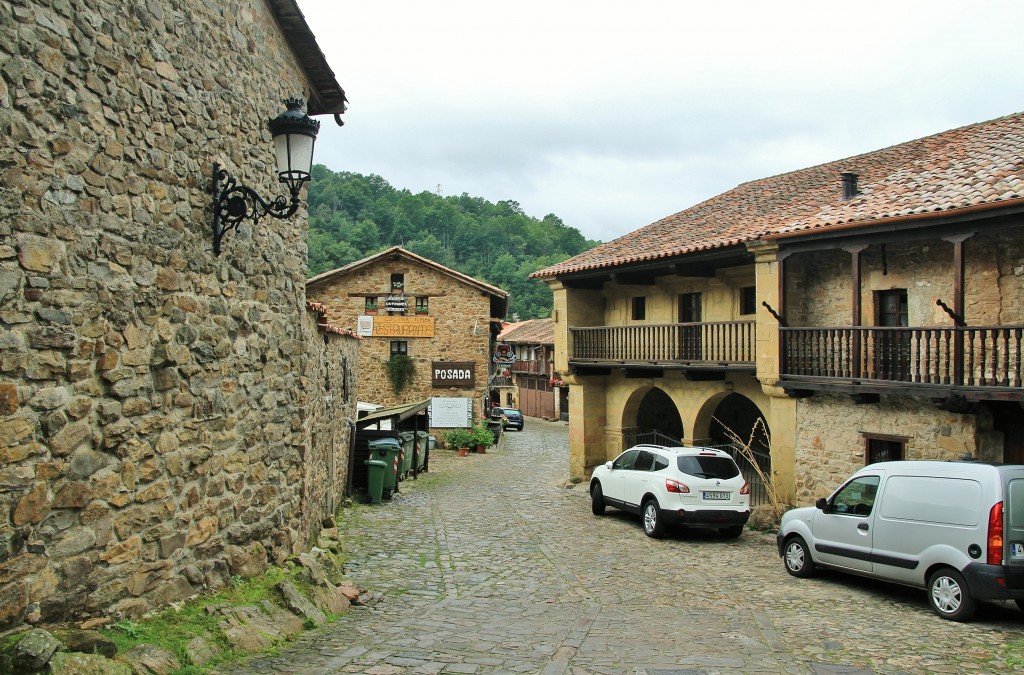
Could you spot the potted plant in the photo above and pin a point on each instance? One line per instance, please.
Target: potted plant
(482, 437)
(459, 439)
(370, 308)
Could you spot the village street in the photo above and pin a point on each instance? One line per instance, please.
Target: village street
(489, 564)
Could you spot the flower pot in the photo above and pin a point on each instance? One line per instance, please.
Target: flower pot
(481, 449)
(463, 452)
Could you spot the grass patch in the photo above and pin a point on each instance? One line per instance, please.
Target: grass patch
(174, 627)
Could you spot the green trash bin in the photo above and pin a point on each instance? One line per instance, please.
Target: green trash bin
(375, 470)
(423, 444)
(405, 458)
(387, 450)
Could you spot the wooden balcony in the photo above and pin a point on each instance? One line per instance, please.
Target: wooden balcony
(979, 362)
(714, 345)
(531, 367)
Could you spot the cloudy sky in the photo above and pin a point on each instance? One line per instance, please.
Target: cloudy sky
(612, 115)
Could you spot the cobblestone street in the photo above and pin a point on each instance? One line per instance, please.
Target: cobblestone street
(488, 564)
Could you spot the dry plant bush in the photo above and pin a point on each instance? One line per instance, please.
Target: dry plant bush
(745, 449)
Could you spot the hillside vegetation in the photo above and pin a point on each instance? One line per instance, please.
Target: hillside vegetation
(352, 216)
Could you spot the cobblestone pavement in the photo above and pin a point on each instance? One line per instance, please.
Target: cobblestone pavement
(488, 564)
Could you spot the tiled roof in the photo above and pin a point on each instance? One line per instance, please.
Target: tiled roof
(324, 326)
(409, 255)
(534, 332)
(972, 167)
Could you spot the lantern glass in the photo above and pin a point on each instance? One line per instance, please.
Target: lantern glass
(294, 152)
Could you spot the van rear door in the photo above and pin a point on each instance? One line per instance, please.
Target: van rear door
(1013, 519)
(843, 531)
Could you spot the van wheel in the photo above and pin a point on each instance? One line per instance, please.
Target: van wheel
(597, 500)
(1020, 604)
(949, 595)
(798, 558)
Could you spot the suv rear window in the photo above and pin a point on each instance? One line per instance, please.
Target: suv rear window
(707, 466)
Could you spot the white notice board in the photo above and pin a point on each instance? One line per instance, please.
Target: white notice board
(451, 412)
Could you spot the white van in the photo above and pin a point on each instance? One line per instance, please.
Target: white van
(953, 528)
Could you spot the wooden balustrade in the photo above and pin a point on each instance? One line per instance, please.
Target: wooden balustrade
(973, 356)
(718, 343)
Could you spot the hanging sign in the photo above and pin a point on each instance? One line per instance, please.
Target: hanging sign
(504, 355)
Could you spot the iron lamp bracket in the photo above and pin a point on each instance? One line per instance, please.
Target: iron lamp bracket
(234, 203)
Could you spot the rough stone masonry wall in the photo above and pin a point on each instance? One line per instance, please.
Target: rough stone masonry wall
(831, 445)
(461, 329)
(328, 400)
(151, 418)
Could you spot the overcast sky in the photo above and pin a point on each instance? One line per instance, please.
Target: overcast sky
(612, 115)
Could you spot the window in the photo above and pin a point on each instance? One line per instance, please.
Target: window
(883, 448)
(397, 282)
(639, 308)
(748, 300)
(660, 463)
(370, 305)
(644, 461)
(626, 459)
(422, 305)
(399, 347)
(857, 497)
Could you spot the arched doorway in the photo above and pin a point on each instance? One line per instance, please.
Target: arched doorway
(658, 420)
(737, 421)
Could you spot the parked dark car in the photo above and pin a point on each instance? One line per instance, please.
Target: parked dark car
(513, 415)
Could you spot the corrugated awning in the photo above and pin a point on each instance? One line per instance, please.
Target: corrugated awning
(396, 413)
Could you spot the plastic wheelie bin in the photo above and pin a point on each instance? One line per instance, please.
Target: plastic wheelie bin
(422, 451)
(405, 459)
(387, 450)
(375, 470)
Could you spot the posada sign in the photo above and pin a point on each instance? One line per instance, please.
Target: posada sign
(453, 374)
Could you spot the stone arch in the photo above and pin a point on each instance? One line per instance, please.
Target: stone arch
(652, 409)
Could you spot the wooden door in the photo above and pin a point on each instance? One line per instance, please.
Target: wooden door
(892, 348)
(690, 337)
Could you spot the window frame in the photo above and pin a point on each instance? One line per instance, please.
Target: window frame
(873, 447)
(748, 305)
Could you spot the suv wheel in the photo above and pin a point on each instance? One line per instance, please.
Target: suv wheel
(949, 595)
(652, 519)
(597, 500)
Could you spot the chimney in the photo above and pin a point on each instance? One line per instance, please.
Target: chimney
(849, 184)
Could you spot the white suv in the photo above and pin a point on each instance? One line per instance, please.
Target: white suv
(674, 486)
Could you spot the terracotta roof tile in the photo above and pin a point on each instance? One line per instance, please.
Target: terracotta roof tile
(973, 166)
(534, 331)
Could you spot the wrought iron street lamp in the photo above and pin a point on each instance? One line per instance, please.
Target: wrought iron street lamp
(294, 134)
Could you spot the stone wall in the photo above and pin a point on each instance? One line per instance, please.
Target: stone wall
(153, 398)
(462, 333)
(328, 405)
(830, 442)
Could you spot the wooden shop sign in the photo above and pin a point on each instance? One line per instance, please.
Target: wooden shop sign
(403, 326)
(452, 373)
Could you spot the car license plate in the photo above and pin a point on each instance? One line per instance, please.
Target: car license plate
(717, 495)
(1017, 551)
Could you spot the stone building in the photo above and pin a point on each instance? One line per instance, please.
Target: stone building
(405, 305)
(167, 416)
(530, 384)
(864, 309)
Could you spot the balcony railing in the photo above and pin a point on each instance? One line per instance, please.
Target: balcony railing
(722, 343)
(974, 356)
(533, 367)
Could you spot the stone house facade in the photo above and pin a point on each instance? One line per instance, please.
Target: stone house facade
(407, 305)
(164, 413)
(530, 384)
(864, 309)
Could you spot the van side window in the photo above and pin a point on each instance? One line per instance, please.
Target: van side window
(857, 497)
